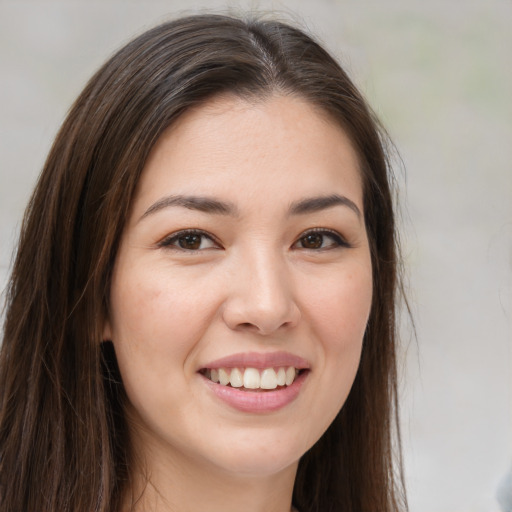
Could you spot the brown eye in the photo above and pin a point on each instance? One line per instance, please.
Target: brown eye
(312, 241)
(320, 239)
(191, 242)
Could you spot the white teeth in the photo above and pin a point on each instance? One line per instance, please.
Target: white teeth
(236, 380)
(223, 377)
(290, 375)
(253, 378)
(268, 379)
(281, 377)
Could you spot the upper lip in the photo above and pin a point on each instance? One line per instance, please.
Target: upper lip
(259, 360)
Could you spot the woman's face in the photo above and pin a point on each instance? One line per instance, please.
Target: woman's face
(242, 286)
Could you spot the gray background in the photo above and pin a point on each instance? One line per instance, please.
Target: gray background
(439, 74)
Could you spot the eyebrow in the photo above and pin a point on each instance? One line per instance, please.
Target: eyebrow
(215, 206)
(198, 203)
(315, 204)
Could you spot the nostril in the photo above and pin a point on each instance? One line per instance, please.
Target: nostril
(249, 314)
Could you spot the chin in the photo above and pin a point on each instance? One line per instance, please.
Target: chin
(261, 467)
(260, 457)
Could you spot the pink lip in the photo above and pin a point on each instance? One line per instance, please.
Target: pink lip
(259, 360)
(258, 401)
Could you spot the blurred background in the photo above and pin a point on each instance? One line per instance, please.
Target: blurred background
(439, 75)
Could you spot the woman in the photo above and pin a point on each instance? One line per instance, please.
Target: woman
(201, 314)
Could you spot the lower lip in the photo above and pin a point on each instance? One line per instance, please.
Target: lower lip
(258, 401)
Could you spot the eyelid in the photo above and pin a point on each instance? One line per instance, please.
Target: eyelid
(167, 241)
(341, 241)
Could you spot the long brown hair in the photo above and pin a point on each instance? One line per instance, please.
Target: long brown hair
(63, 436)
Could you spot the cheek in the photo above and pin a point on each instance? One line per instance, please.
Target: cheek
(157, 322)
(338, 312)
(340, 309)
(156, 318)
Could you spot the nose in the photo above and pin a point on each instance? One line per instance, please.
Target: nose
(260, 296)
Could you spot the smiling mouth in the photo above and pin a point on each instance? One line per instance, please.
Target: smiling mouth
(253, 379)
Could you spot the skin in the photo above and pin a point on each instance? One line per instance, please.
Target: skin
(254, 286)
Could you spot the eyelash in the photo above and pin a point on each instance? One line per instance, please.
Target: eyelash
(171, 242)
(339, 241)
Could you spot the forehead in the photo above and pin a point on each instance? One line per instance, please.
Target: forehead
(279, 147)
